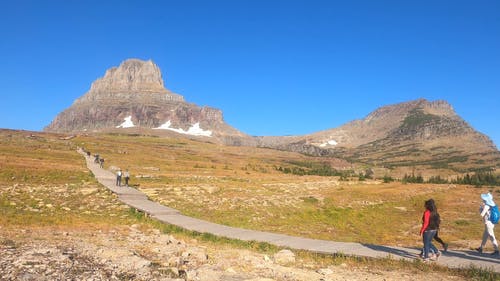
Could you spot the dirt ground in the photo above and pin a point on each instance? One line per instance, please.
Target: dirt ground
(140, 253)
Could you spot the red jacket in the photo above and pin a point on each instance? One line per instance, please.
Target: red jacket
(425, 221)
(429, 221)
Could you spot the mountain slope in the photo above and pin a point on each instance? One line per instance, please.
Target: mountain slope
(415, 133)
(133, 97)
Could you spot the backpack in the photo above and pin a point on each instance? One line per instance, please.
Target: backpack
(494, 214)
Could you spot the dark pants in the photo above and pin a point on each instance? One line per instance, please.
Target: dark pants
(437, 238)
(118, 180)
(126, 181)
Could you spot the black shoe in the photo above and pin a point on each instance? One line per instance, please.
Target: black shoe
(480, 250)
(445, 247)
(495, 253)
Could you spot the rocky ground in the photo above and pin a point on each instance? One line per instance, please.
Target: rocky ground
(140, 253)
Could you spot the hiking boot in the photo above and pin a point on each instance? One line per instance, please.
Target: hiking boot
(445, 247)
(495, 253)
(479, 250)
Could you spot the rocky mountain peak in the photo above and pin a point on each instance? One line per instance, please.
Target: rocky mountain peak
(132, 75)
(133, 95)
(439, 108)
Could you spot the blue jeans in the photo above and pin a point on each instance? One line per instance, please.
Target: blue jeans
(427, 237)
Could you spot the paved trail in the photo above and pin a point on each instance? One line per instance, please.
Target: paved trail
(139, 201)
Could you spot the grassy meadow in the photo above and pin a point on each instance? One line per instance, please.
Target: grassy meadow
(241, 186)
(44, 183)
(46, 191)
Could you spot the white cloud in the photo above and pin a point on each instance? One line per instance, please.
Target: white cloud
(194, 130)
(127, 123)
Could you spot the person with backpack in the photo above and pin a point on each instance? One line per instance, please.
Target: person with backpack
(489, 214)
(430, 225)
(436, 252)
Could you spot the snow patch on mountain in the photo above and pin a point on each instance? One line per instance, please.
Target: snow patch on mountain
(127, 123)
(194, 130)
(329, 143)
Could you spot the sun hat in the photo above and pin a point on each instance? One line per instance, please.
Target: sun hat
(488, 199)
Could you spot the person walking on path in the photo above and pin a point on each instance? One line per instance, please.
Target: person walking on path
(101, 162)
(119, 178)
(489, 227)
(430, 225)
(127, 177)
(436, 237)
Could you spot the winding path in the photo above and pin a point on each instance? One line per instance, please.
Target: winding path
(139, 201)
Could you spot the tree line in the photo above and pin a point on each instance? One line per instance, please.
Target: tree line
(479, 178)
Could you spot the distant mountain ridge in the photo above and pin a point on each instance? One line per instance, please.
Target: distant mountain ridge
(133, 98)
(400, 137)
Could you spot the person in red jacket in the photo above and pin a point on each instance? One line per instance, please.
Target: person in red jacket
(430, 225)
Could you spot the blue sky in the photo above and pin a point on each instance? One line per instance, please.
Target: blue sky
(273, 67)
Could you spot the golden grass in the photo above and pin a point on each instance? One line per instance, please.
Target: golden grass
(239, 186)
(43, 181)
(44, 184)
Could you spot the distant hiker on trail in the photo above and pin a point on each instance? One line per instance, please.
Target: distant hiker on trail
(430, 225)
(127, 176)
(489, 227)
(96, 158)
(88, 153)
(101, 162)
(119, 178)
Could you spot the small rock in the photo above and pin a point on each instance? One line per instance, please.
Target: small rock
(284, 257)
(325, 271)
(266, 258)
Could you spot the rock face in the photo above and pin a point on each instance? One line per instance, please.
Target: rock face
(133, 98)
(418, 132)
(133, 75)
(133, 95)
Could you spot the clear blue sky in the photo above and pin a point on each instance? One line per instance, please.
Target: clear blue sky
(279, 67)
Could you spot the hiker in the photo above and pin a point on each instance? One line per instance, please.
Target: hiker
(436, 237)
(440, 241)
(489, 227)
(127, 176)
(96, 158)
(430, 225)
(119, 178)
(101, 162)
